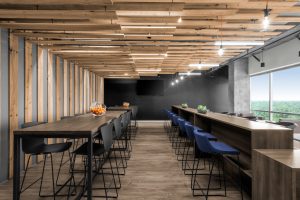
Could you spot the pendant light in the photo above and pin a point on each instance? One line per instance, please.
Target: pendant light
(221, 50)
(266, 21)
(179, 20)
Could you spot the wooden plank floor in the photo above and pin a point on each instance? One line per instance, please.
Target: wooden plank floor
(153, 173)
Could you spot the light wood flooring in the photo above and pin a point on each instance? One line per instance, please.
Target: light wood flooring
(153, 173)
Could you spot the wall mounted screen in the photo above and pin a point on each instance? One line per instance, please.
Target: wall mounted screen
(150, 87)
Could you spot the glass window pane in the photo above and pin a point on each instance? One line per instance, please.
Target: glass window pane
(286, 93)
(260, 92)
(276, 117)
(263, 115)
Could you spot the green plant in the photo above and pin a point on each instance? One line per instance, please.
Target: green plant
(202, 109)
(184, 105)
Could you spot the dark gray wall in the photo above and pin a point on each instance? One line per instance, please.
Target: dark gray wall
(218, 92)
(208, 90)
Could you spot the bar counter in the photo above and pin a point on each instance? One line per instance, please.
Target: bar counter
(276, 174)
(241, 133)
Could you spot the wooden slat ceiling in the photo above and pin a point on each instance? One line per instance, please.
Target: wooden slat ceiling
(143, 37)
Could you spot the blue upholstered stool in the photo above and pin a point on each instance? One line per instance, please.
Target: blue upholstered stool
(217, 150)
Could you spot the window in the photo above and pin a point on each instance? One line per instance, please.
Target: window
(260, 95)
(276, 95)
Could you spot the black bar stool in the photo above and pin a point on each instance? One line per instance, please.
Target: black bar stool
(36, 146)
(101, 155)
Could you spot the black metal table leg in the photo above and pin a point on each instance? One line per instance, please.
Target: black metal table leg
(16, 177)
(90, 168)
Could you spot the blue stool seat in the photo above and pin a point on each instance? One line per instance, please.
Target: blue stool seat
(181, 123)
(189, 128)
(223, 148)
(208, 135)
(213, 147)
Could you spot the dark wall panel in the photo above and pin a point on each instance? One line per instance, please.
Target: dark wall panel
(4, 136)
(210, 90)
(21, 88)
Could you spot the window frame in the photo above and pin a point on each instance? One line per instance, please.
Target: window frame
(270, 86)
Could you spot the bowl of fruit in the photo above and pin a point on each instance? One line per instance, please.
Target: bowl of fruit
(97, 109)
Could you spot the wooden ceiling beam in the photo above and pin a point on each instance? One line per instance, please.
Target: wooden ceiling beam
(66, 27)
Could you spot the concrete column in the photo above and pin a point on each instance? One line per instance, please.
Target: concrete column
(239, 86)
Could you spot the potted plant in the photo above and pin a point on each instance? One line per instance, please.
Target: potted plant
(184, 105)
(202, 109)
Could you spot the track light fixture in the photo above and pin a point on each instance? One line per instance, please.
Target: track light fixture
(262, 63)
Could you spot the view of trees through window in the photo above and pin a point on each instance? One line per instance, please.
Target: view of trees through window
(276, 96)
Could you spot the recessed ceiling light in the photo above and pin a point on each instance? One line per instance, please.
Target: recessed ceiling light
(239, 43)
(147, 69)
(148, 58)
(147, 35)
(191, 74)
(86, 51)
(158, 27)
(148, 54)
(204, 65)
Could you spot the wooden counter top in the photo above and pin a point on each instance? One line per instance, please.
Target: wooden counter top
(287, 157)
(276, 174)
(235, 121)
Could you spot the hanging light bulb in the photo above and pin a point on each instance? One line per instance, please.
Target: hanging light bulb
(181, 77)
(221, 51)
(179, 20)
(172, 83)
(266, 21)
(176, 81)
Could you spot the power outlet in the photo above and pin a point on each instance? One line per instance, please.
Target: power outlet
(262, 64)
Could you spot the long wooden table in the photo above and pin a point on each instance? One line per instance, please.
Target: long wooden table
(83, 126)
(241, 133)
(129, 108)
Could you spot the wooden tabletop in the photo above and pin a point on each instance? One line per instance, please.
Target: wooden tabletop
(120, 108)
(235, 121)
(287, 157)
(79, 126)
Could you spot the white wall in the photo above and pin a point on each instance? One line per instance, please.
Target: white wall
(284, 55)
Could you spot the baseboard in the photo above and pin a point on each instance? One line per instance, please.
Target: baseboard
(151, 123)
